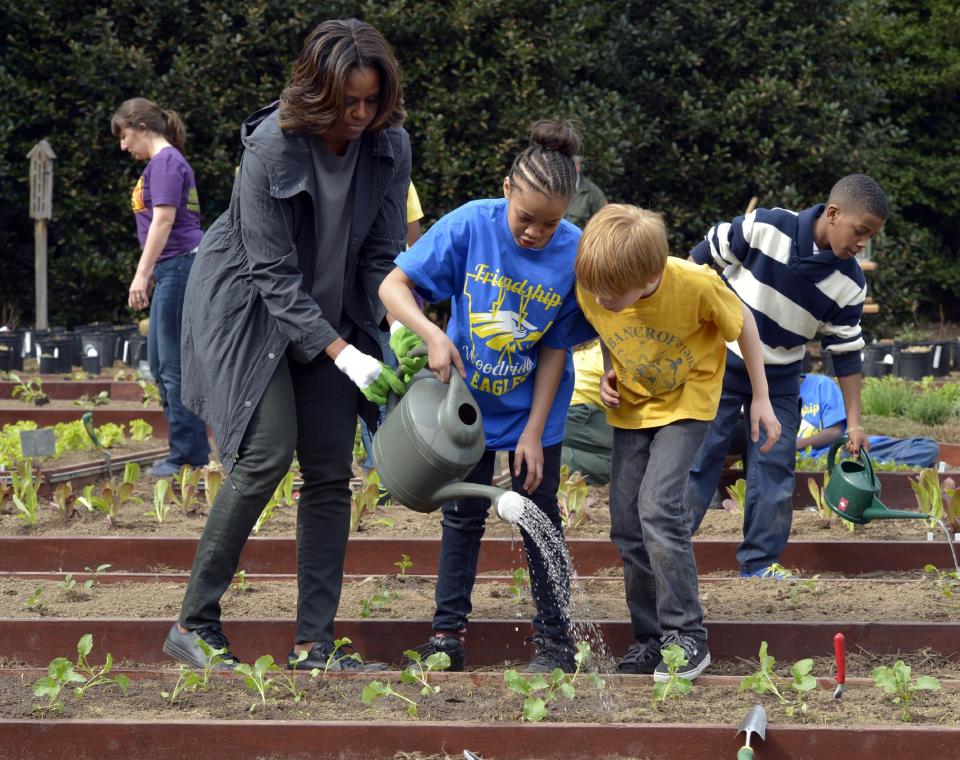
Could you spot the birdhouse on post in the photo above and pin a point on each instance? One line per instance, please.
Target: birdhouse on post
(41, 158)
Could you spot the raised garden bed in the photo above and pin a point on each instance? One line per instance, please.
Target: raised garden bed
(65, 411)
(60, 389)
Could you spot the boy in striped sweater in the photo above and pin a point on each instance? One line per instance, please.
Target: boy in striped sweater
(798, 274)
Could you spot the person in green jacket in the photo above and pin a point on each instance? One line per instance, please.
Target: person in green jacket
(587, 200)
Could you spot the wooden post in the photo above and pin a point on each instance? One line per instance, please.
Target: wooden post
(41, 158)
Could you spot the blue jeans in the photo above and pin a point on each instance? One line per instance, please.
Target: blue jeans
(650, 525)
(768, 513)
(187, 433)
(463, 527)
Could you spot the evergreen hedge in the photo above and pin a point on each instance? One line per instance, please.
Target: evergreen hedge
(688, 107)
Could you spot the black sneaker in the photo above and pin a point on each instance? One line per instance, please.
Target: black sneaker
(641, 657)
(184, 647)
(551, 654)
(449, 643)
(698, 656)
(322, 655)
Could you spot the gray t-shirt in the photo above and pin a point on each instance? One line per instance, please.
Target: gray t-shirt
(334, 180)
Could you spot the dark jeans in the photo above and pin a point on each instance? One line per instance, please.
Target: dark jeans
(650, 525)
(311, 408)
(463, 527)
(768, 513)
(187, 433)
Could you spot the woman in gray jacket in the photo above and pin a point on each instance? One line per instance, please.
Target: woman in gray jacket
(280, 320)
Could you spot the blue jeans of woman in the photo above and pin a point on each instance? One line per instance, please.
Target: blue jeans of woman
(463, 527)
(187, 433)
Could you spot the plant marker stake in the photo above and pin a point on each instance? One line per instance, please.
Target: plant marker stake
(754, 722)
(840, 653)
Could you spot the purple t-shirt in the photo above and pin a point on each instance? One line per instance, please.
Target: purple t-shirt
(168, 181)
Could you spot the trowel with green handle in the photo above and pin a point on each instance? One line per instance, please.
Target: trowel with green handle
(88, 426)
(755, 722)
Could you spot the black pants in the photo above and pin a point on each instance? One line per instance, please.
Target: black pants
(463, 527)
(311, 408)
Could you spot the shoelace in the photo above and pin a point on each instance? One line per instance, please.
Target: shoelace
(687, 642)
(637, 653)
(213, 635)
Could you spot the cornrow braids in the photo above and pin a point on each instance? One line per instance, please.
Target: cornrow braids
(546, 164)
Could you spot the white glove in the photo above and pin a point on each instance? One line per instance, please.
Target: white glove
(374, 378)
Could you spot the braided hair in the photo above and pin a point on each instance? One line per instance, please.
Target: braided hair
(546, 164)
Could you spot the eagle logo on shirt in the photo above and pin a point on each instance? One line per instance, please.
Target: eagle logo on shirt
(504, 331)
(136, 197)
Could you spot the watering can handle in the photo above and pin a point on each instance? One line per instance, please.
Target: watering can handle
(865, 459)
(393, 398)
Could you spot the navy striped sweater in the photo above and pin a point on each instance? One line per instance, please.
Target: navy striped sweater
(768, 260)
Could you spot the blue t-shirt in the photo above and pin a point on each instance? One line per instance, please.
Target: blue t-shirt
(821, 407)
(504, 300)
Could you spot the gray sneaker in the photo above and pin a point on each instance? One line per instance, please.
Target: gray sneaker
(185, 647)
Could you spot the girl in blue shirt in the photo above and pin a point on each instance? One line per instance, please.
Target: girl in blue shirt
(507, 267)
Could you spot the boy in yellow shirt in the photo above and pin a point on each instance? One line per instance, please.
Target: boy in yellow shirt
(663, 323)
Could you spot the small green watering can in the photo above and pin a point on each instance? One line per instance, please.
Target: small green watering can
(429, 442)
(854, 487)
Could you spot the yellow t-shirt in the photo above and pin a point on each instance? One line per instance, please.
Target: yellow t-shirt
(414, 212)
(588, 371)
(669, 349)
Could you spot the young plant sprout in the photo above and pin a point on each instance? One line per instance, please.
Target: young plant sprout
(676, 687)
(240, 582)
(766, 681)
(256, 677)
(520, 579)
(896, 682)
(337, 654)
(572, 498)
(379, 599)
(403, 565)
(535, 707)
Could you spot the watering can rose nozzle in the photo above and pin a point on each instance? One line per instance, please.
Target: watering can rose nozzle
(510, 507)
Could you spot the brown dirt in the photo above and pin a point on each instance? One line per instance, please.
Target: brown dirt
(412, 597)
(459, 699)
(406, 523)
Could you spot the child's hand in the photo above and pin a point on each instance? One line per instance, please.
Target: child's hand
(441, 354)
(529, 452)
(761, 413)
(609, 394)
(857, 438)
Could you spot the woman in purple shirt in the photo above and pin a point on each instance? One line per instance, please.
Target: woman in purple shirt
(167, 210)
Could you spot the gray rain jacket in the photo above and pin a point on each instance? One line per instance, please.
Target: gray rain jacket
(248, 296)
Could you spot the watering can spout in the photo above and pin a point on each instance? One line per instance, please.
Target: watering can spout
(508, 505)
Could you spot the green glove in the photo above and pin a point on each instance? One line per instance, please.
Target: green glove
(402, 341)
(374, 378)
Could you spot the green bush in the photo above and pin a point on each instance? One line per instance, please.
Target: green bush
(688, 107)
(933, 407)
(886, 396)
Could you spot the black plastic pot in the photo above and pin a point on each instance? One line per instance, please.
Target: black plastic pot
(6, 354)
(134, 351)
(91, 364)
(941, 360)
(59, 347)
(873, 364)
(103, 342)
(13, 339)
(916, 364)
(48, 365)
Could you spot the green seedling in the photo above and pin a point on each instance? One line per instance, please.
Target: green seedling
(94, 575)
(403, 565)
(677, 687)
(572, 498)
(161, 506)
(376, 689)
(140, 430)
(738, 493)
(34, 602)
(25, 492)
(240, 582)
(766, 681)
(816, 493)
(88, 402)
(150, 393)
(113, 495)
(947, 582)
(64, 500)
(379, 600)
(337, 655)
(212, 480)
(30, 391)
(364, 500)
(282, 496)
(359, 452)
(896, 682)
(535, 707)
(110, 435)
(256, 677)
(519, 580)
(188, 680)
(418, 672)
(69, 583)
(937, 501)
(61, 672)
(187, 481)
(288, 681)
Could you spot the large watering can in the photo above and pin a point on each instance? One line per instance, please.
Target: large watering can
(429, 442)
(854, 487)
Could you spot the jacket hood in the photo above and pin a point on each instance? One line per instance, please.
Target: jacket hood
(286, 155)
